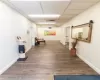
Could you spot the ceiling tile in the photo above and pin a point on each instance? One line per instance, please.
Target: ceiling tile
(59, 24)
(80, 5)
(54, 7)
(28, 7)
(62, 20)
(73, 11)
(67, 16)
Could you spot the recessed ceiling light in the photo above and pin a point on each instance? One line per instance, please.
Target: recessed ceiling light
(39, 0)
(45, 16)
(46, 23)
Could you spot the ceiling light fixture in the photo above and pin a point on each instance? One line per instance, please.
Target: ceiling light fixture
(46, 23)
(45, 16)
(39, 0)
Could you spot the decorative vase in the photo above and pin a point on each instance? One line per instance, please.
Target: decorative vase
(73, 49)
(73, 52)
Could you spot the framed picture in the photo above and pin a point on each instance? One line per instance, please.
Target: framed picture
(49, 33)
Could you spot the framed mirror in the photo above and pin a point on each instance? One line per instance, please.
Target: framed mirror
(82, 32)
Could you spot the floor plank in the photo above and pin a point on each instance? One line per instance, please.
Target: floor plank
(47, 60)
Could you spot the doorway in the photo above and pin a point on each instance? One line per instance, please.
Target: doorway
(67, 36)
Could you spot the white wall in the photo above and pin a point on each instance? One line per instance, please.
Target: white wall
(89, 52)
(34, 33)
(56, 37)
(12, 24)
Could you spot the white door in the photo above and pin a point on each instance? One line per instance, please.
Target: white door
(32, 36)
(67, 35)
(29, 36)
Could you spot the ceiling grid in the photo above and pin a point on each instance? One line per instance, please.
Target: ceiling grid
(66, 8)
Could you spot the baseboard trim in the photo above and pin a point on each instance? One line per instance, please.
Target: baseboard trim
(62, 43)
(90, 64)
(7, 66)
(11, 63)
(28, 50)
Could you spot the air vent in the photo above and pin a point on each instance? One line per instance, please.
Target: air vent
(50, 20)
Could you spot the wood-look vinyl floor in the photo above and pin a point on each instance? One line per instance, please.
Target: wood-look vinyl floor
(47, 60)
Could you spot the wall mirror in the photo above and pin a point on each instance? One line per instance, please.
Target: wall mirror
(82, 32)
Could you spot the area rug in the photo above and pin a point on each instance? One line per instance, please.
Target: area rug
(76, 77)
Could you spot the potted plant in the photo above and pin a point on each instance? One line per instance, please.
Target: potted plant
(73, 49)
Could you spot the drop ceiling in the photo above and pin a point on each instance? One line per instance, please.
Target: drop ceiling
(67, 9)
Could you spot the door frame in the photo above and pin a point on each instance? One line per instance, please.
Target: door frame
(67, 36)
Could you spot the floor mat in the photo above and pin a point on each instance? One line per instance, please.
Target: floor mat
(76, 77)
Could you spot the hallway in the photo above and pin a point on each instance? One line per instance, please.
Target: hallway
(45, 61)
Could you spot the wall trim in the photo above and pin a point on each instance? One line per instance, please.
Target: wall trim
(90, 64)
(11, 63)
(7, 66)
(28, 50)
(62, 43)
